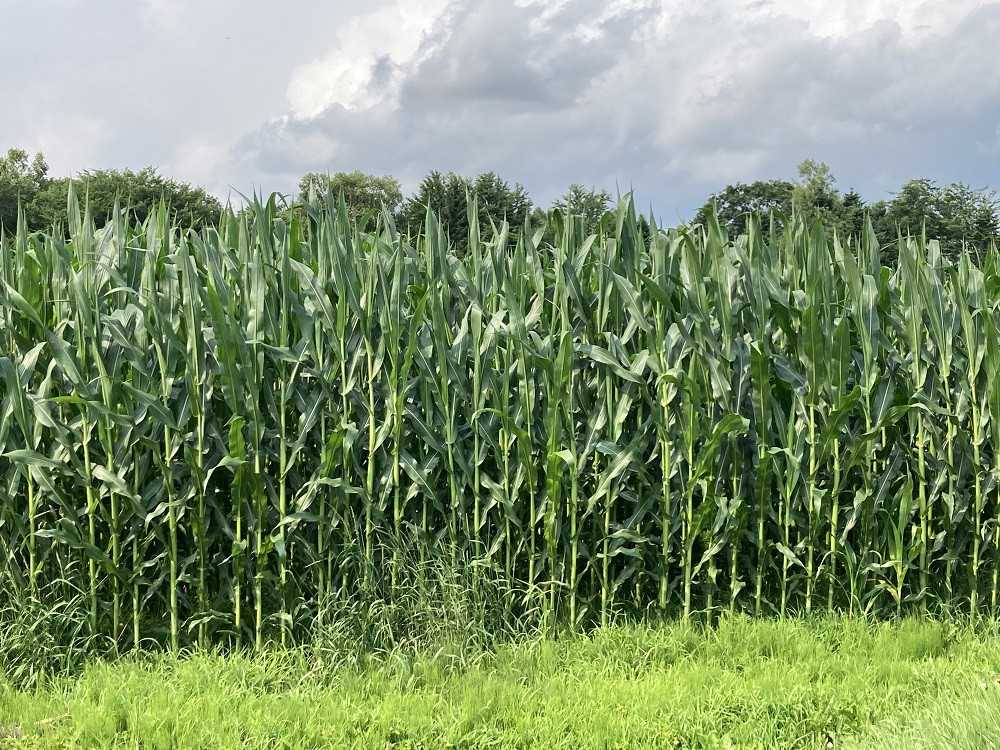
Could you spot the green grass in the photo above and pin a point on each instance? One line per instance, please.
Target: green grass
(743, 684)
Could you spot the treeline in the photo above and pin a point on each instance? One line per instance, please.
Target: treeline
(964, 219)
(496, 201)
(25, 185)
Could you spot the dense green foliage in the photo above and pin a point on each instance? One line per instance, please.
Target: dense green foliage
(362, 193)
(755, 685)
(496, 202)
(964, 220)
(25, 186)
(214, 434)
(589, 204)
(20, 180)
(734, 204)
(105, 189)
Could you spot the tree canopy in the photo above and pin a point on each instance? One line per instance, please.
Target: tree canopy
(139, 191)
(363, 193)
(44, 200)
(497, 200)
(588, 203)
(21, 179)
(735, 202)
(962, 218)
(447, 194)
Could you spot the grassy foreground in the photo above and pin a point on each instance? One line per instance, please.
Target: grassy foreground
(745, 684)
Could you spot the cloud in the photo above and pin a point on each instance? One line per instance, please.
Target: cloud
(126, 85)
(468, 88)
(893, 89)
(368, 63)
(89, 138)
(675, 99)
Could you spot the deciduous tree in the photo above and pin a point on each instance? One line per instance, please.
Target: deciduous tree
(140, 192)
(363, 193)
(735, 202)
(21, 178)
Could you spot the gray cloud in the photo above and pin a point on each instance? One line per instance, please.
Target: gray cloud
(174, 84)
(489, 88)
(675, 99)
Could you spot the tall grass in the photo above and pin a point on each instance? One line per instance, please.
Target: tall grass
(222, 432)
(802, 683)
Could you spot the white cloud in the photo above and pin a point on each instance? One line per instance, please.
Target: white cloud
(842, 20)
(677, 99)
(199, 160)
(373, 53)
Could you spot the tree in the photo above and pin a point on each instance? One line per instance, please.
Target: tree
(363, 193)
(854, 213)
(445, 194)
(816, 197)
(970, 216)
(959, 216)
(814, 191)
(588, 203)
(21, 179)
(735, 202)
(448, 196)
(813, 196)
(498, 201)
(139, 191)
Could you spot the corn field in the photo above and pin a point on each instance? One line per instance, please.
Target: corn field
(205, 432)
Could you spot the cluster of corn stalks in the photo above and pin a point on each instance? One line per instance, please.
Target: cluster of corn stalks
(204, 430)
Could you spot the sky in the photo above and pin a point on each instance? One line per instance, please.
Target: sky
(673, 100)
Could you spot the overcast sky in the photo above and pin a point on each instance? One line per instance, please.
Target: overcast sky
(674, 99)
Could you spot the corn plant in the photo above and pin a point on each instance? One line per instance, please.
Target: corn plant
(218, 435)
